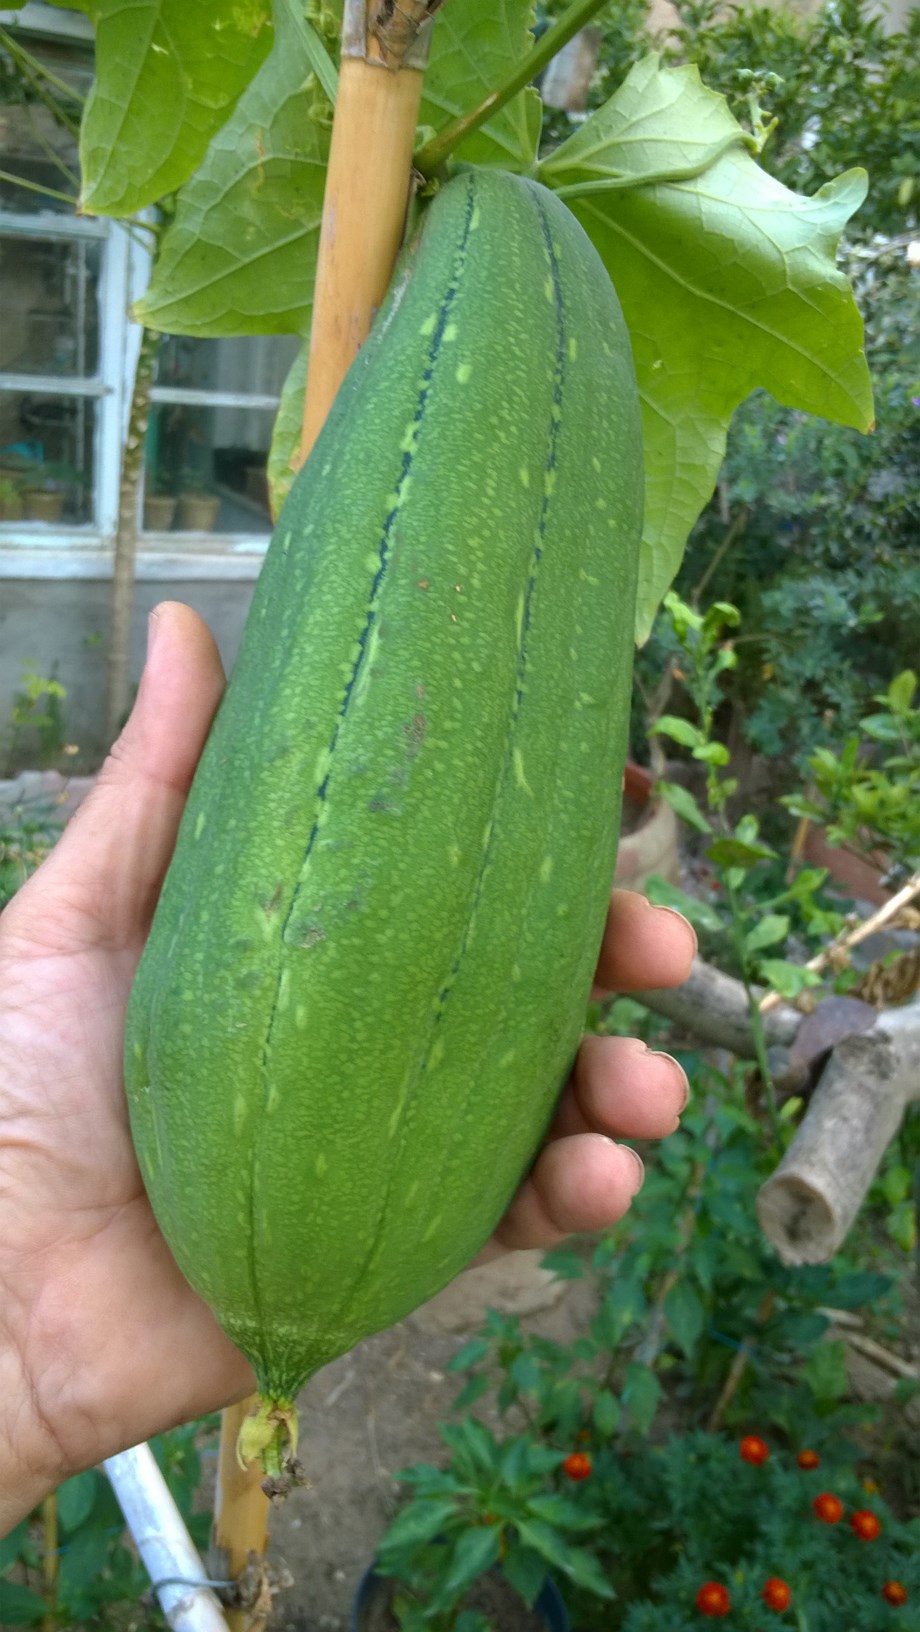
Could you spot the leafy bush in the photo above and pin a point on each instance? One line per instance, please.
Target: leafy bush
(834, 88)
(813, 537)
(578, 1486)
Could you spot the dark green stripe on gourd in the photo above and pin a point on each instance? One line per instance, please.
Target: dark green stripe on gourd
(367, 974)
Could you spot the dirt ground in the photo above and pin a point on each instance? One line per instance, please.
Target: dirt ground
(375, 1411)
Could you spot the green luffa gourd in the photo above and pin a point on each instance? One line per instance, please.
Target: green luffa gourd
(367, 974)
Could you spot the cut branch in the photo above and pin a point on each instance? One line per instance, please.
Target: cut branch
(809, 1203)
(807, 1206)
(715, 1008)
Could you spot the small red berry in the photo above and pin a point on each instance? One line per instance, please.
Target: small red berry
(776, 1594)
(894, 1592)
(753, 1450)
(828, 1508)
(712, 1599)
(577, 1466)
(865, 1524)
(808, 1460)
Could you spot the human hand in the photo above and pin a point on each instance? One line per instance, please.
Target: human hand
(102, 1341)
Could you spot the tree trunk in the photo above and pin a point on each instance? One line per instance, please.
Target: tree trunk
(132, 464)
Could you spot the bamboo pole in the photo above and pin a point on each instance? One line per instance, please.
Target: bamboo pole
(50, 1561)
(364, 214)
(240, 1513)
(364, 211)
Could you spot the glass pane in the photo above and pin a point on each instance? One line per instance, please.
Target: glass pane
(48, 296)
(46, 458)
(251, 364)
(206, 467)
(39, 121)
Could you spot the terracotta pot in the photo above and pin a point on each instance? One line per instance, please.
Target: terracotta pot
(652, 845)
(41, 506)
(159, 512)
(857, 876)
(198, 512)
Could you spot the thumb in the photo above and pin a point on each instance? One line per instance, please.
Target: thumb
(101, 882)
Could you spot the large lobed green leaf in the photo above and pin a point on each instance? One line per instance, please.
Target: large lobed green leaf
(727, 281)
(240, 254)
(168, 72)
(475, 45)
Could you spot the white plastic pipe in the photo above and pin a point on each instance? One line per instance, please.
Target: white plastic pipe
(166, 1548)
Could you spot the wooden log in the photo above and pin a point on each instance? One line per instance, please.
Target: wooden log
(714, 1007)
(808, 1204)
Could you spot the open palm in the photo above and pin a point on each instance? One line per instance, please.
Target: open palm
(102, 1341)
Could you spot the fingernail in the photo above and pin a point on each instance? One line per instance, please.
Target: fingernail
(153, 627)
(680, 1073)
(640, 1168)
(686, 922)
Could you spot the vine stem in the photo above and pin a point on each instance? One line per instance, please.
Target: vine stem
(760, 1041)
(36, 187)
(430, 158)
(123, 573)
(851, 937)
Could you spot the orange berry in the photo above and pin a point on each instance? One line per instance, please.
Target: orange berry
(894, 1592)
(577, 1466)
(865, 1524)
(828, 1508)
(808, 1460)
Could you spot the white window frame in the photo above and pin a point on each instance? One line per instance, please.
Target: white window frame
(42, 550)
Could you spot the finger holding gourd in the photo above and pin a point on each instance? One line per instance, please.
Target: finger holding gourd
(579, 1183)
(411, 792)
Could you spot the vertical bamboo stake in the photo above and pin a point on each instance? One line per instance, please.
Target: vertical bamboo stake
(50, 1561)
(367, 192)
(364, 212)
(240, 1513)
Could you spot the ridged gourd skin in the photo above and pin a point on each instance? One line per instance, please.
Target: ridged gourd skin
(367, 974)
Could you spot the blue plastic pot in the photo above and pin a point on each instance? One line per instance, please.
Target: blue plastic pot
(549, 1604)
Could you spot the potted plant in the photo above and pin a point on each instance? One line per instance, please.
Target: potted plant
(10, 500)
(862, 811)
(159, 511)
(649, 840)
(198, 506)
(46, 487)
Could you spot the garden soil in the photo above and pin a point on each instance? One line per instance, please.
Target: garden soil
(376, 1410)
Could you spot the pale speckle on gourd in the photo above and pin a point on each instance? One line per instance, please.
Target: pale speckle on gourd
(524, 475)
(517, 759)
(463, 373)
(546, 869)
